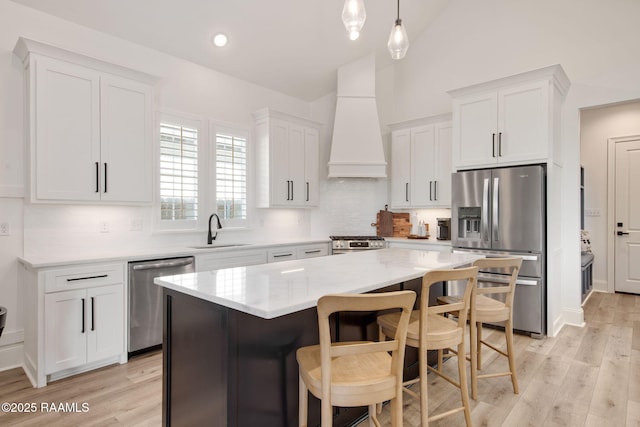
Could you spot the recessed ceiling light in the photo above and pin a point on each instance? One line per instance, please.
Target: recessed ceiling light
(220, 40)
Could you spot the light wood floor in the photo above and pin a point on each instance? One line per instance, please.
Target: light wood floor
(583, 377)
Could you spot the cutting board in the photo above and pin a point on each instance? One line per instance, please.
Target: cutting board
(389, 224)
(384, 224)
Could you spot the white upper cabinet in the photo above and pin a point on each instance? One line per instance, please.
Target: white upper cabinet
(65, 121)
(90, 128)
(126, 140)
(421, 165)
(287, 151)
(508, 121)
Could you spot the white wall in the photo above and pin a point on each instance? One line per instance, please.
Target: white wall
(472, 42)
(596, 126)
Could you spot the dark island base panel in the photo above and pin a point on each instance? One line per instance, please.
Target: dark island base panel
(222, 367)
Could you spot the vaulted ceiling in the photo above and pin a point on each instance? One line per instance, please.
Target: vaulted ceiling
(291, 46)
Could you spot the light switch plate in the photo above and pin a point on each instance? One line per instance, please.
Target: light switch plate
(5, 229)
(592, 212)
(136, 225)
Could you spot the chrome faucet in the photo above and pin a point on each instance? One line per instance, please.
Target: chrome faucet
(210, 237)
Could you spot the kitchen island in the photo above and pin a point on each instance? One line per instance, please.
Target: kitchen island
(230, 335)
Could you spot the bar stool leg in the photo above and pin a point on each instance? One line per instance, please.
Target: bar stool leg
(424, 397)
(479, 344)
(462, 371)
(512, 363)
(303, 402)
(475, 347)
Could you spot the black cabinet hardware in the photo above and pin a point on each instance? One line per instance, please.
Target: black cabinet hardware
(105, 177)
(82, 331)
(93, 316)
(75, 279)
(97, 177)
(493, 145)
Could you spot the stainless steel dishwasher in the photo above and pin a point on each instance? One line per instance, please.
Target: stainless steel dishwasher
(145, 300)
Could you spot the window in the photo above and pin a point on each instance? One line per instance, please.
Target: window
(231, 176)
(178, 173)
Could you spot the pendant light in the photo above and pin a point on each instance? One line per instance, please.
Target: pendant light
(398, 43)
(353, 16)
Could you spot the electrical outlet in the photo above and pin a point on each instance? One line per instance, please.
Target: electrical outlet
(5, 229)
(104, 227)
(136, 225)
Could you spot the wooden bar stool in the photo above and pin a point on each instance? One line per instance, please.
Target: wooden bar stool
(491, 302)
(356, 373)
(430, 330)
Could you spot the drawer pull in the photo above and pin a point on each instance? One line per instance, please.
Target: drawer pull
(317, 251)
(282, 255)
(75, 279)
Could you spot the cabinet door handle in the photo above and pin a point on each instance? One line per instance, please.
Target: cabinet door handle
(435, 190)
(93, 315)
(430, 190)
(493, 145)
(307, 191)
(406, 192)
(105, 177)
(291, 190)
(82, 331)
(97, 177)
(288, 191)
(500, 144)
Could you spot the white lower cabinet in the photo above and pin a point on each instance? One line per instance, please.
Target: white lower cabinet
(74, 319)
(312, 251)
(83, 326)
(286, 253)
(281, 254)
(216, 261)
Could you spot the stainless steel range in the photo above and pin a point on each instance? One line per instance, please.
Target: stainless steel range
(350, 244)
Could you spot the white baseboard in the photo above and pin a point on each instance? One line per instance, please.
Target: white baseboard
(573, 317)
(568, 317)
(11, 356)
(11, 191)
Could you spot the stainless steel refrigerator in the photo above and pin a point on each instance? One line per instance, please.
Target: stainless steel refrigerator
(501, 212)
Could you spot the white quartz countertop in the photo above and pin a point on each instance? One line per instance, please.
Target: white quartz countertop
(273, 290)
(126, 254)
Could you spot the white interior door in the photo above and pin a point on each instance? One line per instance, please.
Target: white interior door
(627, 194)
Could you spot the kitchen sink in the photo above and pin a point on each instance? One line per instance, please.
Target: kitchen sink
(218, 245)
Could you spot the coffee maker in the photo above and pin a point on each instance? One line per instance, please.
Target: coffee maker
(443, 229)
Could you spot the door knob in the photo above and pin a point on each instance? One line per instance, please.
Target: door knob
(621, 233)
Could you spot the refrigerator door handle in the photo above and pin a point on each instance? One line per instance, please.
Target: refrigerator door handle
(485, 211)
(495, 211)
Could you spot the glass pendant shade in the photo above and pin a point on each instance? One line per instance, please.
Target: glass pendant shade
(353, 16)
(398, 43)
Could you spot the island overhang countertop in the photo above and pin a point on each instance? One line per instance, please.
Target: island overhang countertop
(272, 290)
